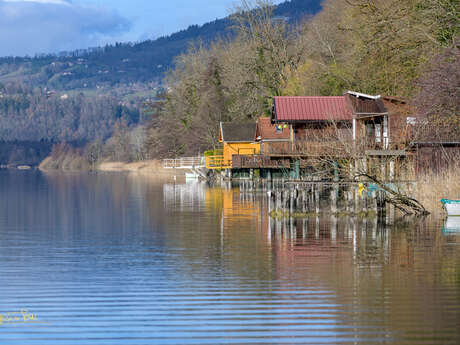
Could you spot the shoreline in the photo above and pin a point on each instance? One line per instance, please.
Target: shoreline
(431, 187)
(152, 168)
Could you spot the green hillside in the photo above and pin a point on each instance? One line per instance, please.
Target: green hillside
(125, 63)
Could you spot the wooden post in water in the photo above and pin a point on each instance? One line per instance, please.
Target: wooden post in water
(356, 196)
(334, 191)
(304, 200)
(381, 205)
(364, 201)
(278, 199)
(311, 199)
(391, 214)
(374, 201)
(298, 198)
(292, 228)
(333, 229)
(270, 201)
(291, 200)
(317, 199)
(349, 200)
(317, 227)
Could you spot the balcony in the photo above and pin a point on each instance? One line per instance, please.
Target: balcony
(306, 148)
(331, 148)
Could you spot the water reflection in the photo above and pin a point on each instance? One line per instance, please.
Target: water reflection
(118, 259)
(452, 225)
(185, 197)
(382, 274)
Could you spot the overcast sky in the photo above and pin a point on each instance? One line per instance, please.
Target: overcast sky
(28, 27)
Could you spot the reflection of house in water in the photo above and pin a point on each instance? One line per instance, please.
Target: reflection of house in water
(185, 197)
(239, 207)
(346, 273)
(361, 238)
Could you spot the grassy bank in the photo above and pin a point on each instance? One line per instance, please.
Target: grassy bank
(431, 188)
(78, 163)
(150, 167)
(65, 162)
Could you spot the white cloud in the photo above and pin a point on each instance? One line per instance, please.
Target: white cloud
(48, 26)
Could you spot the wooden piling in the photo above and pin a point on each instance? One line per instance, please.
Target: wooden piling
(333, 229)
(364, 201)
(304, 200)
(317, 200)
(374, 201)
(334, 191)
(381, 204)
(278, 199)
(356, 198)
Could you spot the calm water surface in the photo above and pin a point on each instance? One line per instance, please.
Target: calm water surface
(119, 259)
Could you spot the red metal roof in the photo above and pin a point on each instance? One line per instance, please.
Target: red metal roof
(314, 108)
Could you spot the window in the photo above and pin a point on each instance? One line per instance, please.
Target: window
(378, 133)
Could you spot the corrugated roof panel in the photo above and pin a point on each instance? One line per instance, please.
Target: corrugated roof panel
(317, 108)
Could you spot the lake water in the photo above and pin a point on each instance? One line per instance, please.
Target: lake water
(121, 259)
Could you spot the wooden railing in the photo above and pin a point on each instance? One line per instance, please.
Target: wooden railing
(325, 148)
(217, 162)
(259, 161)
(307, 148)
(184, 163)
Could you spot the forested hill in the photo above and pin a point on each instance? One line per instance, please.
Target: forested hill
(125, 63)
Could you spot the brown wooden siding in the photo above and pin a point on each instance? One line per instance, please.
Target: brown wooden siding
(437, 157)
(322, 131)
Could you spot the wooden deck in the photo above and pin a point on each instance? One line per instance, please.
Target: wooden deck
(259, 161)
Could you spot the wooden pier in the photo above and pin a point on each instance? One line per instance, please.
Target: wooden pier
(300, 198)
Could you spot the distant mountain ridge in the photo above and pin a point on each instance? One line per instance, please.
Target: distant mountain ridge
(126, 63)
(85, 95)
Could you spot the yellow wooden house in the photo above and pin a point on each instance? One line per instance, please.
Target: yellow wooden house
(237, 139)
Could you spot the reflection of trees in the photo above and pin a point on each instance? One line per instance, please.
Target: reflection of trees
(99, 204)
(387, 278)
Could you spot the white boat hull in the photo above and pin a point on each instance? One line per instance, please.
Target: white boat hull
(191, 176)
(452, 207)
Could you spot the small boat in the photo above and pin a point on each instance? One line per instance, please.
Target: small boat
(191, 176)
(452, 207)
(451, 226)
